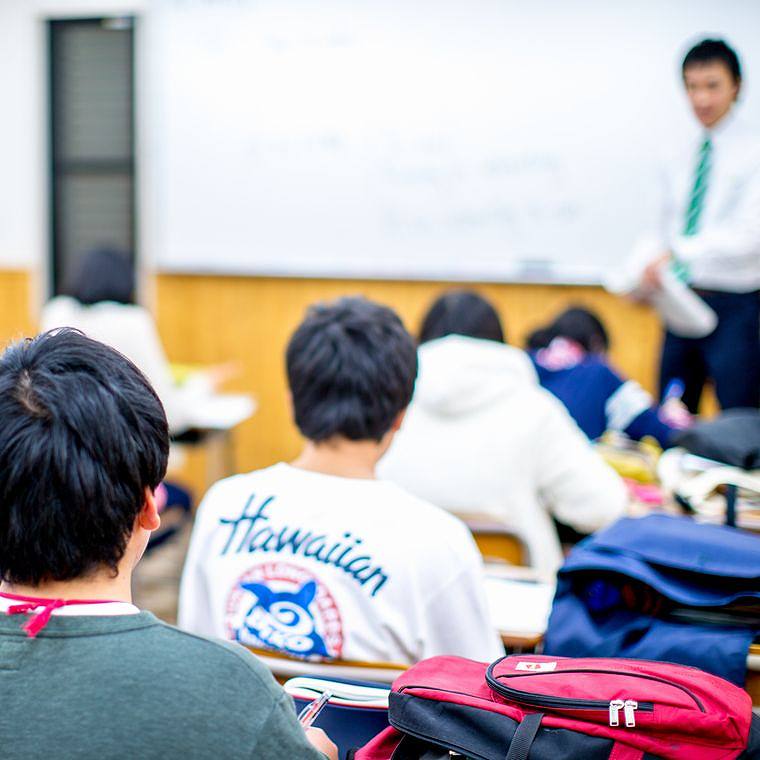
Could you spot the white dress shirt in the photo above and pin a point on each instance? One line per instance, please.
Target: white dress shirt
(724, 254)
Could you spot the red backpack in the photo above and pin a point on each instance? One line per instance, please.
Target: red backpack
(545, 708)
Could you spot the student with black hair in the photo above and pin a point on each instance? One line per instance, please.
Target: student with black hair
(83, 672)
(462, 312)
(482, 436)
(570, 356)
(709, 234)
(318, 558)
(98, 299)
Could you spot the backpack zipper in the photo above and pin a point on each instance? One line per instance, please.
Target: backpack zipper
(628, 711)
(615, 707)
(520, 696)
(628, 706)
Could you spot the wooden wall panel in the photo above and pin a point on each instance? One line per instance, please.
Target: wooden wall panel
(213, 319)
(206, 319)
(15, 305)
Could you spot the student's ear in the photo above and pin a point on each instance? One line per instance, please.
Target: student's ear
(396, 426)
(148, 517)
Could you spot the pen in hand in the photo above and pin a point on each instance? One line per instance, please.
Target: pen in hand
(309, 714)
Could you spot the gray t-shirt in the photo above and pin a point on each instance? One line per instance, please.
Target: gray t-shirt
(130, 686)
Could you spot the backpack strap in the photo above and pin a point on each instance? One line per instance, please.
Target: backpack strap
(625, 752)
(524, 736)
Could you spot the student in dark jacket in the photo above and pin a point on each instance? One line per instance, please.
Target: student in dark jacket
(570, 357)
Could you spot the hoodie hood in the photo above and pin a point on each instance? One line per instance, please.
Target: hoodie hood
(458, 375)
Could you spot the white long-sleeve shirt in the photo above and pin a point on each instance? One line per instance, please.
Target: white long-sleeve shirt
(724, 254)
(317, 565)
(481, 436)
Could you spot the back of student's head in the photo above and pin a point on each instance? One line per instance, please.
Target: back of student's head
(461, 312)
(103, 274)
(578, 324)
(351, 368)
(713, 51)
(539, 338)
(82, 435)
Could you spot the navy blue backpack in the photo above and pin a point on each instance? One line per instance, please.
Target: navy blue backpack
(660, 588)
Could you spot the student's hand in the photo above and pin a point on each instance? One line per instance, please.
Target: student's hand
(652, 277)
(673, 412)
(321, 742)
(221, 373)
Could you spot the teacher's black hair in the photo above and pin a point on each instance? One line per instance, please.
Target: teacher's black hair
(709, 51)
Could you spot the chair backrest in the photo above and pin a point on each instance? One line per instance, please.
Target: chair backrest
(497, 543)
(284, 667)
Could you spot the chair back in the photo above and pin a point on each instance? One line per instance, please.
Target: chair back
(497, 543)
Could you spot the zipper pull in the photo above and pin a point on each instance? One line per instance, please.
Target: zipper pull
(615, 707)
(629, 707)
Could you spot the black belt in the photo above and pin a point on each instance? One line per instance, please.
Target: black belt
(704, 293)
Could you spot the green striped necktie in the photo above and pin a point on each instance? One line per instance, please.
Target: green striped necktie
(696, 203)
(699, 190)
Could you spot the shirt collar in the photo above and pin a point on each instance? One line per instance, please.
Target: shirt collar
(724, 126)
(41, 609)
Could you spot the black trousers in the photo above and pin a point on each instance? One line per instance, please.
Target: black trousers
(729, 356)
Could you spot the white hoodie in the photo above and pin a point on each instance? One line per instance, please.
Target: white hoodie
(481, 436)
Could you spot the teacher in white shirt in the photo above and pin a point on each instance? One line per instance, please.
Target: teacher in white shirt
(710, 232)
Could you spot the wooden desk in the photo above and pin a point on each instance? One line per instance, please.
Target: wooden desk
(520, 642)
(515, 595)
(218, 452)
(284, 667)
(212, 435)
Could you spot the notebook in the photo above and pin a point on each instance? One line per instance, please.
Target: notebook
(345, 694)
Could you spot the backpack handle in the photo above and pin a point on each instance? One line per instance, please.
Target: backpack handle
(522, 741)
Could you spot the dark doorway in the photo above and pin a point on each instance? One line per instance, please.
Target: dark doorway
(92, 146)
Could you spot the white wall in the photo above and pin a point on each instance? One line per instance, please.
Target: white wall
(463, 139)
(23, 121)
(442, 138)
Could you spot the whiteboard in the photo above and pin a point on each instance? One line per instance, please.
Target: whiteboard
(433, 139)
